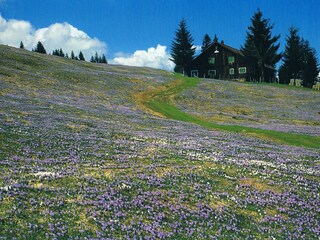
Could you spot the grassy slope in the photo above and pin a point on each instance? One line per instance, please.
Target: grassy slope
(79, 159)
(160, 102)
(266, 106)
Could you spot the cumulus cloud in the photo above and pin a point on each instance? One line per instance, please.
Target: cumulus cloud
(154, 57)
(198, 48)
(13, 31)
(56, 36)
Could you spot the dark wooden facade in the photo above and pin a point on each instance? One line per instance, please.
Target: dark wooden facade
(218, 61)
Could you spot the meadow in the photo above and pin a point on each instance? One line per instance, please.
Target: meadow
(265, 106)
(88, 152)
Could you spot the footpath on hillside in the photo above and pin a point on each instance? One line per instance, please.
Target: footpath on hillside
(159, 102)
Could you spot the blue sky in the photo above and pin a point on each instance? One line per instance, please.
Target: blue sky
(126, 26)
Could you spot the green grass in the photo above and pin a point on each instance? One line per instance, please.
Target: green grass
(279, 85)
(161, 103)
(75, 152)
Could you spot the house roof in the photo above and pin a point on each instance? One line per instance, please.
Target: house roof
(231, 49)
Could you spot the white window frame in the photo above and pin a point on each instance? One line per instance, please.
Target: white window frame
(231, 71)
(210, 60)
(244, 68)
(234, 59)
(194, 73)
(210, 73)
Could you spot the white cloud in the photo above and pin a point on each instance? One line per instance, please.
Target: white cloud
(198, 47)
(58, 35)
(13, 31)
(154, 57)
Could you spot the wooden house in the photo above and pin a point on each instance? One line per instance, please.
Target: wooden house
(221, 61)
(218, 61)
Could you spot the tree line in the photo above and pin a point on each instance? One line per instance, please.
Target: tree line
(299, 60)
(261, 51)
(59, 52)
(98, 59)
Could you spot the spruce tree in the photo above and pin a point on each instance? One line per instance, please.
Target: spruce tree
(292, 58)
(96, 58)
(61, 53)
(21, 45)
(81, 57)
(261, 47)
(103, 59)
(92, 59)
(310, 65)
(215, 38)
(182, 49)
(40, 48)
(206, 42)
(299, 60)
(72, 55)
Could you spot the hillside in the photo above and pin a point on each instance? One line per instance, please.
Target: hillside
(266, 106)
(81, 155)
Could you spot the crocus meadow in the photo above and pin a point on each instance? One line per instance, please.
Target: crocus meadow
(80, 160)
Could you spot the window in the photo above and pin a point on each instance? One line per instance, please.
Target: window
(212, 73)
(231, 71)
(231, 59)
(216, 51)
(194, 73)
(242, 70)
(212, 60)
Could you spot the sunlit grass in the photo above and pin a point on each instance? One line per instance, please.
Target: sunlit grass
(160, 103)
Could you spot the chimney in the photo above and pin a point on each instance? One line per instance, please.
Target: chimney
(222, 42)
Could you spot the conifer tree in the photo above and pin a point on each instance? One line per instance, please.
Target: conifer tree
(182, 49)
(215, 39)
(21, 45)
(72, 55)
(299, 60)
(96, 58)
(206, 42)
(261, 47)
(292, 58)
(81, 57)
(310, 65)
(103, 59)
(40, 48)
(58, 52)
(61, 53)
